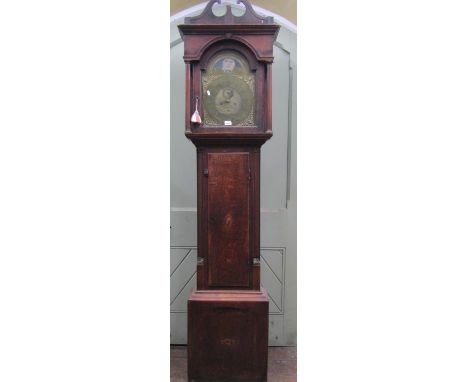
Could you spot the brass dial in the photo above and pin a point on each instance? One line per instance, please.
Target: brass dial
(228, 91)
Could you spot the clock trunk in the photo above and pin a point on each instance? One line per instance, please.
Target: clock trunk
(228, 218)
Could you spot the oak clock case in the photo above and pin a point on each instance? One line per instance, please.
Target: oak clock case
(228, 118)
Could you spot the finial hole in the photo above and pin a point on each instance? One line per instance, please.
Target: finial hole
(219, 9)
(238, 10)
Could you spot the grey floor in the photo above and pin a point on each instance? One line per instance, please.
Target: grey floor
(281, 364)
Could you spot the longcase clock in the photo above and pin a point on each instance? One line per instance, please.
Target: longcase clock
(228, 118)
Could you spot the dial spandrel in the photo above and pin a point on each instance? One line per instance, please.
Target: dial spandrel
(228, 91)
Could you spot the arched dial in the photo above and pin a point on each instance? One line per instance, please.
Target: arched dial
(228, 91)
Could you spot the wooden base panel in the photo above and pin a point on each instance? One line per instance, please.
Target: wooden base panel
(228, 335)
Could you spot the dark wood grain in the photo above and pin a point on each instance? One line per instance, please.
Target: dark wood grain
(228, 312)
(254, 41)
(282, 364)
(228, 219)
(235, 348)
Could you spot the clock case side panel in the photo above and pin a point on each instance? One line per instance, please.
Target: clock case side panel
(253, 258)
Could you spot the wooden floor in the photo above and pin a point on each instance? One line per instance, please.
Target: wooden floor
(281, 364)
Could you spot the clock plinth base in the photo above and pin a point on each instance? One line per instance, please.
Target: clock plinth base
(228, 335)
